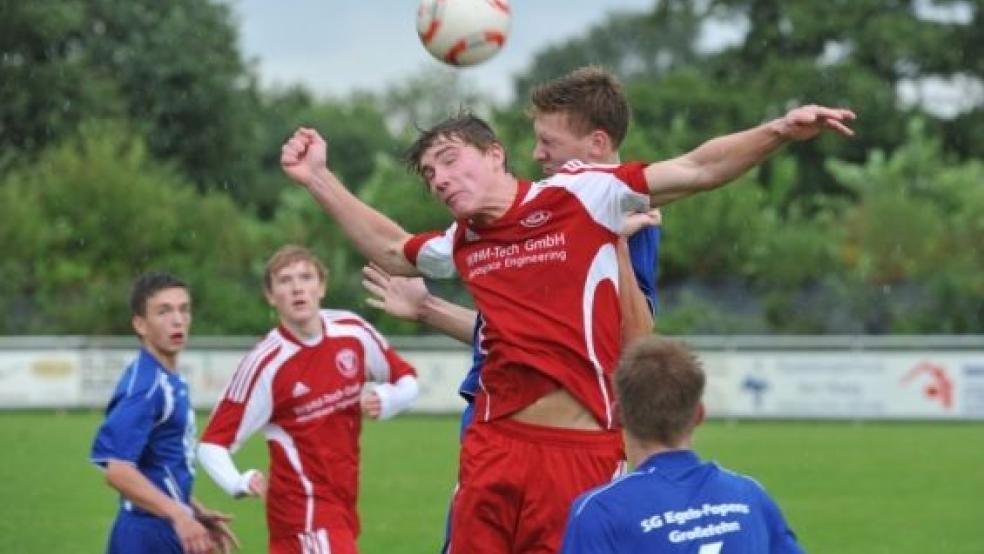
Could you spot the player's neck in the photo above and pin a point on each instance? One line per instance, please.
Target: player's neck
(308, 332)
(499, 200)
(637, 452)
(167, 361)
(610, 159)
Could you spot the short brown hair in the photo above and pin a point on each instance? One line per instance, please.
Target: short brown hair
(465, 126)
(149, 284)
(591, 97)
(288, 254)
(659, 384)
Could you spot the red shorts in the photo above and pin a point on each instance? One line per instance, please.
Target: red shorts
(319, 541)
(517, 482)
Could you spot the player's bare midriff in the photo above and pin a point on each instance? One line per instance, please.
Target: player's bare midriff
(557, 409)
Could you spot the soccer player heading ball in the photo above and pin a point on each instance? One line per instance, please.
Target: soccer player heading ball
(539, 259)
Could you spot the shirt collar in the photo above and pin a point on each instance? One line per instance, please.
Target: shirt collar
(670, 461)
(146, 358)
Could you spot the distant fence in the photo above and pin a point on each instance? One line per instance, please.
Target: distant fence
(815, 377)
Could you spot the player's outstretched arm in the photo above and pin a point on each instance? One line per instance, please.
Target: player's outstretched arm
(304, 159)
(722, 159)
(408, 298)
(136, 488)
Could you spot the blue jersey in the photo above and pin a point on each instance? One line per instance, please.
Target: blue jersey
(150, 424)
(674, 503)
(644, 254)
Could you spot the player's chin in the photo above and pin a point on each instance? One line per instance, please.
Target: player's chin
(459, 209)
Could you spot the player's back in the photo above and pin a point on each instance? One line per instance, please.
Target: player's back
(674, 503)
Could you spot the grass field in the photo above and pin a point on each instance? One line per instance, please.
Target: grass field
(845, 487)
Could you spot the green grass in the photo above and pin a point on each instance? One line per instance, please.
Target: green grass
(845, 487)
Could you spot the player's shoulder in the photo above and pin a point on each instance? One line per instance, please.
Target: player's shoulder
(739, 482)
(577, 174)
(265, 351)
(268, 343)
(343, 323)
(605, 497)
(343, 317)
(142, 376)
(574, 167)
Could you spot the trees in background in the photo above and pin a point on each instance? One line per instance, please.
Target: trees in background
(133, 137)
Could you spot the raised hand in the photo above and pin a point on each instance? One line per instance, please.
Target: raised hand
(304, 154)
(806, 122)
(401, 297)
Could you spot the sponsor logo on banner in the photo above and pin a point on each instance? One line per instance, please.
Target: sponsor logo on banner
(757, 387)
(937, 386)
(347, 363)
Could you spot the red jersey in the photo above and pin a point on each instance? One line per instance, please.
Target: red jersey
(306, 398)
(545, 278)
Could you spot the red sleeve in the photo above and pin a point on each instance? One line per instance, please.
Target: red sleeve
(398, 366)
(411, 248)
(223, 423)
(227, 417)
(633, 174)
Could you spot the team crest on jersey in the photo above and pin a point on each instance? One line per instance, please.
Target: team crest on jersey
(535, 219)
(347, 363)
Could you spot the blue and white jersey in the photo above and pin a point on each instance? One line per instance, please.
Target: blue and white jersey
(674, 503)
(150, 424)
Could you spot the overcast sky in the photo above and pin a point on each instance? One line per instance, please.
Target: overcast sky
(337, 46)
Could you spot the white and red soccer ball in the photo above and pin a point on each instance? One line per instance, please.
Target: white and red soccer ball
(463, 32)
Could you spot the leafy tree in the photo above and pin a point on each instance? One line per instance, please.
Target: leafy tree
(172, 68)
(92, 213)
(914, 239)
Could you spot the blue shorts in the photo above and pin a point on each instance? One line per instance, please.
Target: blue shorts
(142, 533)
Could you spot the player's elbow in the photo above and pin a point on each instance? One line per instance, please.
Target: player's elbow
(115, 473)
(394, 262)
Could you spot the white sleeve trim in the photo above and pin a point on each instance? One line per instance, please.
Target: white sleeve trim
(396, 397)
(218, 463)
(435, 258)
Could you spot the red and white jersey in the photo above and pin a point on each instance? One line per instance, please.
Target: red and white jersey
(545, 278)
(306, 398)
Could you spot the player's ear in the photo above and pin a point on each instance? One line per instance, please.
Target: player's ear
(139, 325)
(699, 414)
(498, 154)
(600, 144)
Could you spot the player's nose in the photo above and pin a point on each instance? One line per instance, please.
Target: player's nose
(440, 182)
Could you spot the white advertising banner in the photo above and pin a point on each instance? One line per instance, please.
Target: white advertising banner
(863, 385)
(759, 382)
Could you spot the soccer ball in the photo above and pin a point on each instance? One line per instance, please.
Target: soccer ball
(463, 32)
